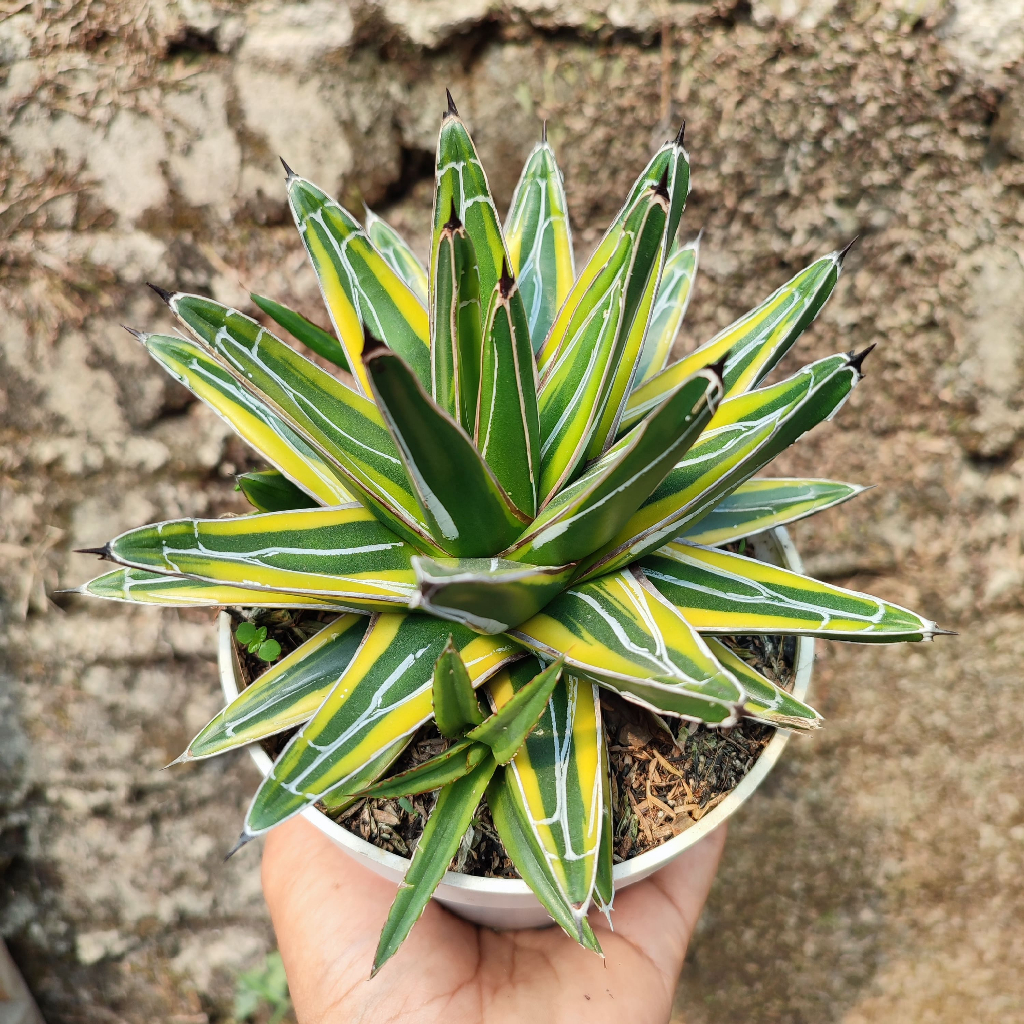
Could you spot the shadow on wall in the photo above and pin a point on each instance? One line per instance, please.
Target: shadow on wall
(792, 931)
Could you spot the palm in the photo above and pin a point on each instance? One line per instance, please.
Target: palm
(327, 911)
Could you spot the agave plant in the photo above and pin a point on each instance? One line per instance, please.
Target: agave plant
(515, 494)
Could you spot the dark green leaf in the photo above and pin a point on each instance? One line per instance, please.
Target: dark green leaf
(458, 760)
(456, 708)
(468, 512)
(506, 730)
(271, 491)
(445, 827)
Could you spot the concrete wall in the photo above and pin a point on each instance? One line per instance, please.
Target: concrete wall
(878, 876)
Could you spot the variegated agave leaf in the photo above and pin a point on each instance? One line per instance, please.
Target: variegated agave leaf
(670, 307)
(670, 165)
(286, 695)
(500, 736)
(753, 344)
(136, 586)
(461, 186)
(343, 553)
(359, 286)
(455, 324)
(766, 702)
(720, 592)
(761, 504)
(384, 695)
(592, 510)
(604, 883)
(345, 429)
(588, 376)
(490, 595)
(507, 429)
(530, 859)
(313, 337)
(519, 491)
(744, 435)
(251, 416)
(621, 633)
(558, 780)
(398, 253)
(539, 240)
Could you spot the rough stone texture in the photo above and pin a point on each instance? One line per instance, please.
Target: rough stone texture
(877, 877)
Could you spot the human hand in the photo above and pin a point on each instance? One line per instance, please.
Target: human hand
(328, 910)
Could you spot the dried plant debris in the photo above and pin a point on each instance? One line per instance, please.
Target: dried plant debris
(665, 775)
(661, 785)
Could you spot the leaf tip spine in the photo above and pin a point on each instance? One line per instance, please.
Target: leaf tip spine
(137, 335)
(841, 254)
(180, 759)
(103, 552)
(661, 189)
(452, 111)
(857, 358)
(680, 135)
(162, 292)
(506, 282)
(243, 840)
(453, 223)
(288, 172)
(544, 132)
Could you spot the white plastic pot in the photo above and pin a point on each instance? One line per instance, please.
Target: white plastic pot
(503, 903)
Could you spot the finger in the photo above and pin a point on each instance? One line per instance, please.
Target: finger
(324, 907)
(328, 911)
(658, 915)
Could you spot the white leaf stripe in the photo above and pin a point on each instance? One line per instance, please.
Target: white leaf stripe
(267, 432)
(720, 592)
(548, 778)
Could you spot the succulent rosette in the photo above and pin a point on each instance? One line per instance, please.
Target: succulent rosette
(512, 500)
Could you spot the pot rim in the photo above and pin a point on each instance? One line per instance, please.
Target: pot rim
(623, 874)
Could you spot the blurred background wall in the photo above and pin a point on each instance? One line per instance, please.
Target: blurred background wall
(879, 875)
